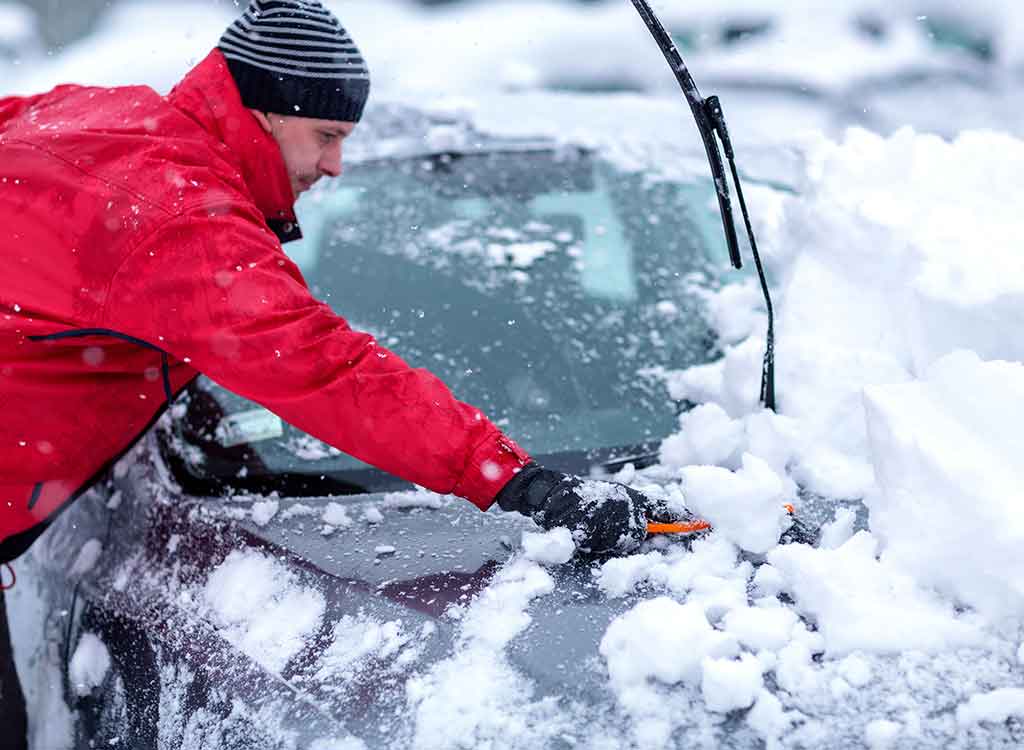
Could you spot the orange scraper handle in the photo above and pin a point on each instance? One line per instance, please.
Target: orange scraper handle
(689, 527)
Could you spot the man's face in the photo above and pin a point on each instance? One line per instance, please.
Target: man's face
(311, 148)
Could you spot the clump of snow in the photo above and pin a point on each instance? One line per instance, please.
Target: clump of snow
(261, 607)
(730, 684)
(679, 634)
(549, 548)
(876, 283)
(734, 310)
(263, 511)
(768, 581)
(372, 514)
(89, 664)
(115, 500)
(336, 514)
(519, 254)
(747, 506)
(707, 436)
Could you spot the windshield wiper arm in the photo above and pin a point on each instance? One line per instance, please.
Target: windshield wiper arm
(710, 121)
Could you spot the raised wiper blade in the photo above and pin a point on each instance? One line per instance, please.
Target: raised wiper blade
(710, 121)
(705, 124)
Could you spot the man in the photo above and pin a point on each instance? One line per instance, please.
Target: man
(141, 243)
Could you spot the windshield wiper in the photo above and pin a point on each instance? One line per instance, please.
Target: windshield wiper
(710, 121)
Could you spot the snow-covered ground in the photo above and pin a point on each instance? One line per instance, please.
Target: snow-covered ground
(899, 291)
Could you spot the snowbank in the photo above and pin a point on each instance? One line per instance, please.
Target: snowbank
(899, 300)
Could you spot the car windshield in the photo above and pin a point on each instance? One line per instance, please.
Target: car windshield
(548, 288)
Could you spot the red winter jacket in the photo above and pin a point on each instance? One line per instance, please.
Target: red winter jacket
(137, 251)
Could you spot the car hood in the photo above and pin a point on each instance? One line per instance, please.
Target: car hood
(361, 628)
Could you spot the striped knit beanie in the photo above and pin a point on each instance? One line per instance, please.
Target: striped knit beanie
(292, 57)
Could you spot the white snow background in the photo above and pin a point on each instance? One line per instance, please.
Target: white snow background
(899, 288)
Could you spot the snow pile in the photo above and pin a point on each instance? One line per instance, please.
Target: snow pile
(893, 256)
(262, 608)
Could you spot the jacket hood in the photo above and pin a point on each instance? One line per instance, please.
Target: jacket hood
(209, 96)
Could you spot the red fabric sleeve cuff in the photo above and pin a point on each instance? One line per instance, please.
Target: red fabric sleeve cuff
(495, 461)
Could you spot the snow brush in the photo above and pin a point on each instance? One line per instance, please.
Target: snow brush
(711, 121)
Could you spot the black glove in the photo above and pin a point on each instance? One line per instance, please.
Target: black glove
(603, 517)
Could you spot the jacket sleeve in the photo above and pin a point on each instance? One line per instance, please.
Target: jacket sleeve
(215, 290)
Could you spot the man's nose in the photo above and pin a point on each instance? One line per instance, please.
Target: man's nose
(330, 162)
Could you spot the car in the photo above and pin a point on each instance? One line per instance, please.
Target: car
(235, 583)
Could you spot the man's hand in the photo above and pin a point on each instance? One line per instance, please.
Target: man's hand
(603, 517)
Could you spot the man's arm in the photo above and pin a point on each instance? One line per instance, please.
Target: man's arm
(215, 290)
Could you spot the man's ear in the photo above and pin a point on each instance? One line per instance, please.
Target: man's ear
(262, 119)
